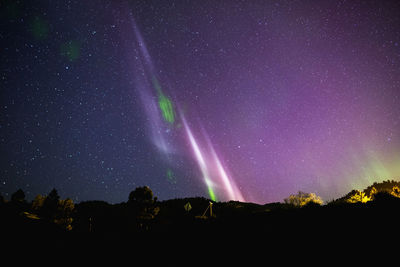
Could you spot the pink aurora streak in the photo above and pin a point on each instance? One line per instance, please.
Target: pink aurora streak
(214, 174)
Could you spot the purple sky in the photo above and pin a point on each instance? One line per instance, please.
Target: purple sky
(292, 95)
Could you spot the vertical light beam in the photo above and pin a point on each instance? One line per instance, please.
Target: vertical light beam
(232, 190)
(200, 160)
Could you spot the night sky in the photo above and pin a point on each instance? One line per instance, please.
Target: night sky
(245, 100)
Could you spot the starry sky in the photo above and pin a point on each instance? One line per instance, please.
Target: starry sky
(245, 100)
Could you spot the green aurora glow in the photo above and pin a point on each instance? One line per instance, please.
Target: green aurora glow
(165, 104)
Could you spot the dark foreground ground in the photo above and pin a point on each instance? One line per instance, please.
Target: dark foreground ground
(235, 230)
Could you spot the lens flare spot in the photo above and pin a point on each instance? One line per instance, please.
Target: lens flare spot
(171, 176)
(39, 28)
(71, 50)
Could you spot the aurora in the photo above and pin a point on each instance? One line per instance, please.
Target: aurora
(230, 100)
(164, 103)
(212, 171)
(268, 130)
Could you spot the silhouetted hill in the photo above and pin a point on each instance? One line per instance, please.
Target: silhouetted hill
(193, 223)
(385, 186)
(389, 186)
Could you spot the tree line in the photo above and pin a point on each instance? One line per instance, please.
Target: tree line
(142, 209)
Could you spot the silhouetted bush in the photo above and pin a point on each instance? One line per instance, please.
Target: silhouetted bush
(302, 199)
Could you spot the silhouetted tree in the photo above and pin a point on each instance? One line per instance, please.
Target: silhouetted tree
(302, 199)
(372, 192)
(38, 202)
(18, 196)
(358, 196)
(141, 194)
(142, 203)
(50, 205)
(18, 202)
(53, 196)
(395, 191)
(54, 209)
(63, 216)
